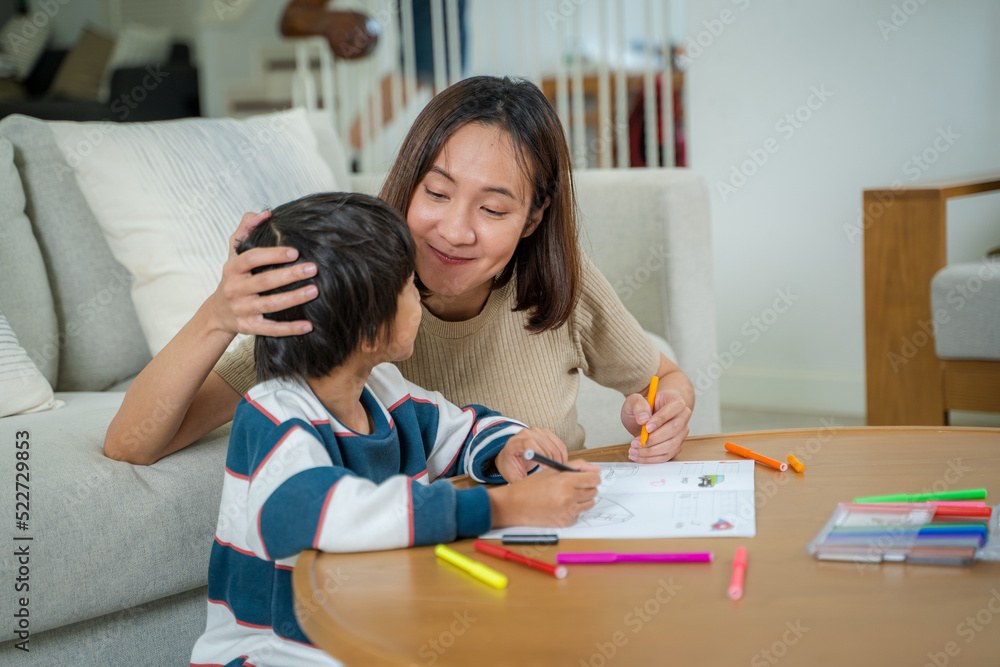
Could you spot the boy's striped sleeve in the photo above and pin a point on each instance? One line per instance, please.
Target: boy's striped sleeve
(458, 441)
(297, 499)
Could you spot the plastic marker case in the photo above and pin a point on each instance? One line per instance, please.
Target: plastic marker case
(925, 533)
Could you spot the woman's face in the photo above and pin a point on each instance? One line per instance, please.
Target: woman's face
(468, 214)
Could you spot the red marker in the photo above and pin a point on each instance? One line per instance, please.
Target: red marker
(739, 573)
(557, 571)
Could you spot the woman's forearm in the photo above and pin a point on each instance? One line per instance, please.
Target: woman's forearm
(672, 378)
(161, 396)
(177, 398)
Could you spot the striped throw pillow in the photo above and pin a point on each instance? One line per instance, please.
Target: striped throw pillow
(22, 386)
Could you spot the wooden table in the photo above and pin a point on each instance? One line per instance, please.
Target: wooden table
(405, 607)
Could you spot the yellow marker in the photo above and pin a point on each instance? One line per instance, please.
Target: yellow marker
(478, 570)
(653, 382)
(795, 463)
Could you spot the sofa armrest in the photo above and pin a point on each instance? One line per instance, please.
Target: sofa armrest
(649, 232)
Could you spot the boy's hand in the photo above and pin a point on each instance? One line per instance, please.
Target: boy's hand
(667, 426)
(510, 461)
(548, 498)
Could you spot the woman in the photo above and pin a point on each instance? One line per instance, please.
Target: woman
(512, 309)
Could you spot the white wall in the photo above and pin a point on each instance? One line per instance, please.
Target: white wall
(228, 50)
(890, 84)
(69, 18)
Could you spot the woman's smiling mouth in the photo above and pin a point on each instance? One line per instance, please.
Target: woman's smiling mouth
(449, 259)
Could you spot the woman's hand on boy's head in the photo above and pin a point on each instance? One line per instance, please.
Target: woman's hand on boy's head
(510, 461)
(237, 305)
(247, 225)
(667, 426)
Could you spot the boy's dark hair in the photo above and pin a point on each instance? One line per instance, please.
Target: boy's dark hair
(364, 255)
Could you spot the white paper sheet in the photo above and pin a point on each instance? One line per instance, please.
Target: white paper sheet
(673, 499)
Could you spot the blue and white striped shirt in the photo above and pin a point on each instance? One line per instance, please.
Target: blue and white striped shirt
(296, 479)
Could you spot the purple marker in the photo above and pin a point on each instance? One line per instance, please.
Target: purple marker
(581, 558)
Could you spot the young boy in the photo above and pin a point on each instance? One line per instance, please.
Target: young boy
(334, 450)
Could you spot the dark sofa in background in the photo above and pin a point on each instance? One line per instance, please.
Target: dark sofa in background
(137, 93)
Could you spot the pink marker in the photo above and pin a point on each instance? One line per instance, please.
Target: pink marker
(581, 558)
(739, 573)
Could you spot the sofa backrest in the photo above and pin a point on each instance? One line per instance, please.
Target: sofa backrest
(25, 295)
(97, 342)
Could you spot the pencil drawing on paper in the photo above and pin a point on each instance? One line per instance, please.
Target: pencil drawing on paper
(605, 513)
(672, 499)
(615, 471)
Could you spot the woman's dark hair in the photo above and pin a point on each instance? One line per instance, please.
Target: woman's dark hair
(364, 256)
(547, 262)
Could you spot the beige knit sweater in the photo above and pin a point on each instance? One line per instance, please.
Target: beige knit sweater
(493, 361)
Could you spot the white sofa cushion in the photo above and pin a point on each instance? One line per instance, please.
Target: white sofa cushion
(965, 302)
(168, 195)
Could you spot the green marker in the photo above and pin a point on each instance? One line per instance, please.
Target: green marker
(968, 494)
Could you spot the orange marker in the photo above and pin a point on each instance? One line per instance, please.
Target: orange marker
(747, 454)
(795, 463)
(653, 382)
